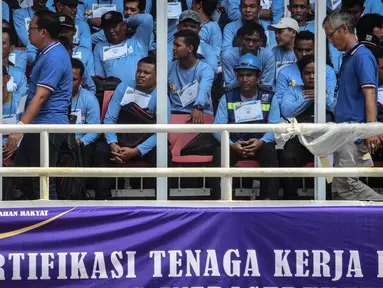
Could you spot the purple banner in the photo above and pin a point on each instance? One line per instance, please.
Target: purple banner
(191, 247)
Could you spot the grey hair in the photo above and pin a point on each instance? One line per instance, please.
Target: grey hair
(338, 18)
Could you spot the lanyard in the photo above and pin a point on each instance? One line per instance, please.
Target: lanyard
(78, 99)
(178, 77)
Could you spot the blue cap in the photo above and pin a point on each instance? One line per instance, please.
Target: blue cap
(248, 61)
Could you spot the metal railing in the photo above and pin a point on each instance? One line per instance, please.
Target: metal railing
(225, 172)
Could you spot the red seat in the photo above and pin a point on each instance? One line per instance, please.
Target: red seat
(179, 140)
(105, 102)
(309, 165)
(247, 164)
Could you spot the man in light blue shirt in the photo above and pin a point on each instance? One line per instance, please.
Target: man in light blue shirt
(5, 11)
(285, 32)
(291, 76)
(373, 6)
(86, 13)
(112, 149)
(119, 56)
(69, 7)
(189, 79)
(80, 52)
(251, 42)
(264, 109)
(299, 10)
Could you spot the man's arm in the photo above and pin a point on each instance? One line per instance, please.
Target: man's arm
(370, 100)
(144, 24)
(42, 95)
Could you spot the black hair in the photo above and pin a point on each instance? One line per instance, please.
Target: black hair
(366, 25)
(66, 42)
(149, 60)
(250, 27)
(190, 38)
(307, 59)
(77, 64)
(352, 3)
(11, 35)
(378, 52)
(308, 2)
(208, 6)
(49, 21)
(141, 4)
(259, 2)
(305, 35)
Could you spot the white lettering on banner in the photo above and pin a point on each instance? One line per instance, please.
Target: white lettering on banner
(380, 264)
(99, 266)
(16, 264)
(211, 264)
(131, 264)
(78, 266)
(117, 264)
(46, 264)
(193, 262)
(2, 262)
(174, 263)
(231, 267)
(32, 266)
(157, 262)
(354, 265)
(251, 264)
(62, 266)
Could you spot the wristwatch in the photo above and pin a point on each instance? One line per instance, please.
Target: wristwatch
(199, 107)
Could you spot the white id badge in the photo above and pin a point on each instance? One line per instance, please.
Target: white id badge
(10, 119)
(188, 94)
(11, 85)
(12, 58)
(101, 9)
(76, 37)
(380, 96)
(78, 114)
(114, 52)
(27, 22)
(248, 111)
(266, 4)
(174, 10)
(77, 55)
(21, 107)
(138, 97)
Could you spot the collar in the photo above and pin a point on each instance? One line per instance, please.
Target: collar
(355, 48)
(49, 47)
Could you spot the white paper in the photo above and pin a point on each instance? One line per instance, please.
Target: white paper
(79, 118)
(101, 9)
(138, 97)
(189, 93)
(248, 111)
(10, 119)
(77, 55)
(266, 4)
(114, 52)
(21, 107)
(380, 96)
(27, 22)
(174, 10)
(12, 58)
(25, 3)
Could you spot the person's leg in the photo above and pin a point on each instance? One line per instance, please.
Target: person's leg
(267, 157)
(351, 188)
(102, 159)
(55, 143)
(294, 154)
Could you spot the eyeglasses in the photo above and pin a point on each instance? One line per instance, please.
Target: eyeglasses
(332, 33)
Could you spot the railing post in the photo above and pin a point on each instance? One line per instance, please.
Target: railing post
(226, 181)
(44, 162)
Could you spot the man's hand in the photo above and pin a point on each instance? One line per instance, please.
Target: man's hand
(7, 154)
(238, 147)
(79, 142)
(125, 154)
(266, 14)
(13, 140)
(254, 146)
(196, 117)
(114, 147)
(373, 143)
(309, 94)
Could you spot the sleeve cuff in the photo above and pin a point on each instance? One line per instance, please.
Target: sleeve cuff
(46, 86)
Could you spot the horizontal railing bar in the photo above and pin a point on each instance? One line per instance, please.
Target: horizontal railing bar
(191, 172)
(179, 128)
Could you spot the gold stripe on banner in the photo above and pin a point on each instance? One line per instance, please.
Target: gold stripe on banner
(32, 227)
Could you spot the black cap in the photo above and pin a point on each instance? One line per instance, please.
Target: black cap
(66, 20)
(111, 18)
(68, 2)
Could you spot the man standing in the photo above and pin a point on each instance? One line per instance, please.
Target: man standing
(48, 99)
(356, 102)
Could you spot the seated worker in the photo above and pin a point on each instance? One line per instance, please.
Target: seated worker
(290, 75)
(251, 35)
(373, 7)
(85, 110)
(17, 57)
(299, 10)
(18, 81)
(298, 101)
(82, 32)
(119, 56)
(80, 52)
(264, 108)
(91, 11)
(369, 30)
(112, 149)
(190, 79)
(286, 31)
(190, 20)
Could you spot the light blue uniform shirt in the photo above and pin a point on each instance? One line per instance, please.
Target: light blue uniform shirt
(373, 6)
(230, 59)
(19, 16)
(114, 109)
(124, 68)
(283, 56)
(84, 38)
(336, 57)
(211, 34)
(87, 60)
(18, 78)
(310, 26)
(178, 78)
(9, 111)
(203, 49)
(87, 5)
(294, 103)
(232, 9)
(222, 117)
(278, 10)
(21, 60)
(90, 111)
(5, 11)
(291, 73)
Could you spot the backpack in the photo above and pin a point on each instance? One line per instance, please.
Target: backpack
(70, 188)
